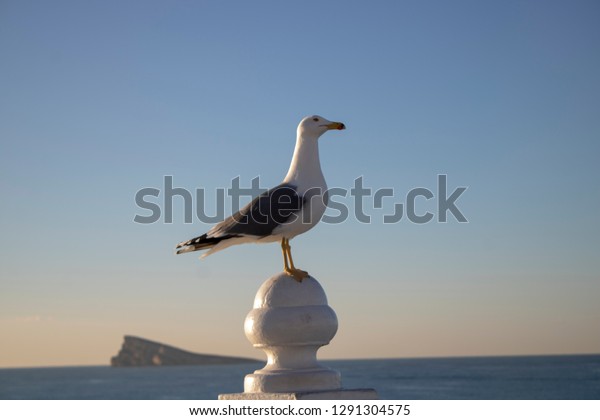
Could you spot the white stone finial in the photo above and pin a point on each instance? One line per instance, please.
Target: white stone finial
(290, 321)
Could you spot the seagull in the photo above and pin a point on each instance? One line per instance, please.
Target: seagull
(281, 213)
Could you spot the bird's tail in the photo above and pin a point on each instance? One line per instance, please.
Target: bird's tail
(198, 243)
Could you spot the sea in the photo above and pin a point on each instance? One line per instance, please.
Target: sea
(457, 378)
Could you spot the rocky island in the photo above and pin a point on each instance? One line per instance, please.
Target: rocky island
(137, 351)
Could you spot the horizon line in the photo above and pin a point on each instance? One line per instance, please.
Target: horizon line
(482, 356)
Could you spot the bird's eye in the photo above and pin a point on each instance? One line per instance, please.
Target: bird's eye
(315, 119)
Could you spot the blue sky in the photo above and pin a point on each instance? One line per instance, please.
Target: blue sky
(100, 99)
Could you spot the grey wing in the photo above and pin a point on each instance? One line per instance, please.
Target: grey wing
(263, 214)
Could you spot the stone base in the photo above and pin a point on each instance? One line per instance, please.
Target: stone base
(294, 380)
(340, 394)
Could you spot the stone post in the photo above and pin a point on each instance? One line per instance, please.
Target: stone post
(290, 321)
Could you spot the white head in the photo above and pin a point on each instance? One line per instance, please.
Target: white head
(314, 126)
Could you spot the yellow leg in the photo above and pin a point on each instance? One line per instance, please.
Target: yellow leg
(286, 266)
(290, 269)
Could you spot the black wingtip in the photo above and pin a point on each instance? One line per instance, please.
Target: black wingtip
(199, 243)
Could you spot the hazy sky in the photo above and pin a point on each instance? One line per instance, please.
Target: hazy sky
(99, 99)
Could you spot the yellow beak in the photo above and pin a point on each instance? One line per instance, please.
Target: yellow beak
(336, 126)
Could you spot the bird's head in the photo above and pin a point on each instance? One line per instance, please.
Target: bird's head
(315, 125)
